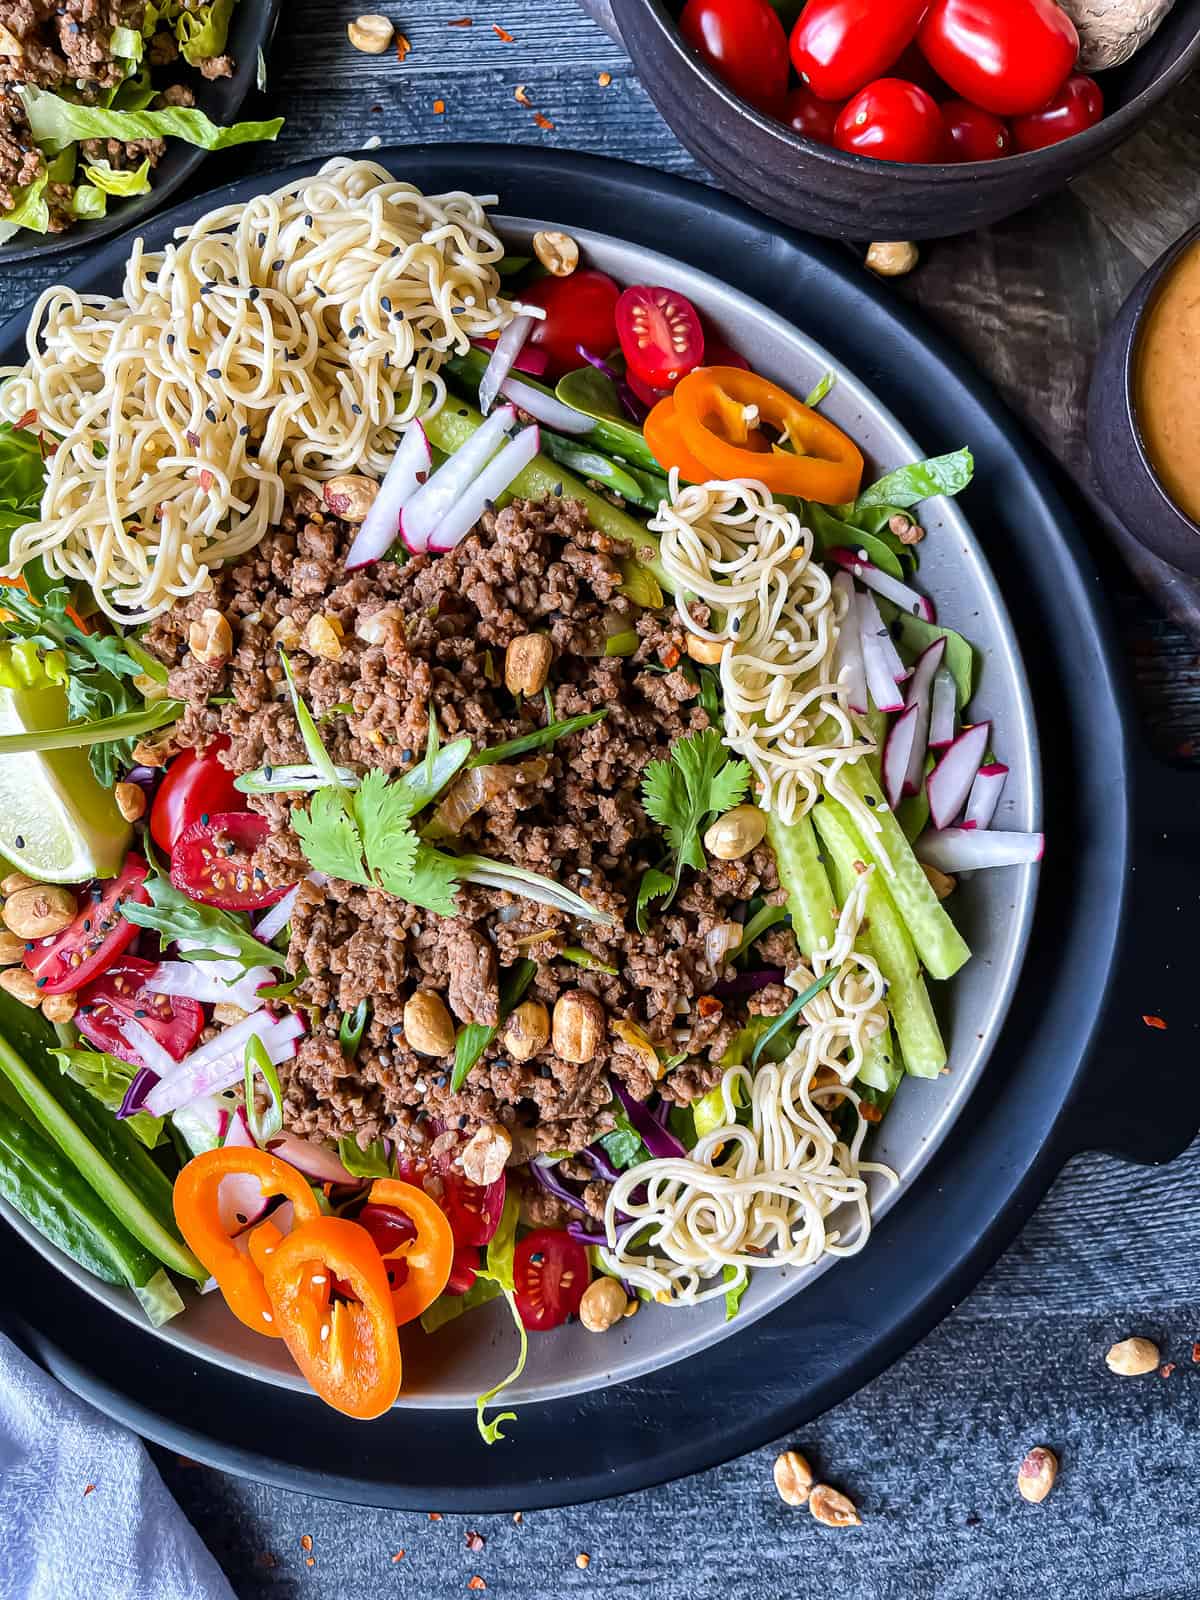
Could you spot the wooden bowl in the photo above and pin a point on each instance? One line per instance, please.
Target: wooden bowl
(855, 197)
(1119, 458)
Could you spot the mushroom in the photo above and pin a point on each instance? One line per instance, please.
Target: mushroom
(1110, 31)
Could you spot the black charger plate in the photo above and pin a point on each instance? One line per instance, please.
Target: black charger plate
(1054, 1087)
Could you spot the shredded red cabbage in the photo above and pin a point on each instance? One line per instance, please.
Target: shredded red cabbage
(140, 1086)
(749, 982)
(660, 1141)
(553, 1184)
(634, 408)
(597, 1158)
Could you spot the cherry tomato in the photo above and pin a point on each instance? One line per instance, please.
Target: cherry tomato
(660, 333)
(412, 1235)
(120, 996)
(579, 311)
(551, 1271)
(744, 43)
(211, 862)
(892, 120)
(913, 67)
(1008, 56)
(95, 939)
(975, 134)
(839, 46)
(195, 784)
(474, 1212)
(718, 354)
(648, 396)
(462, 1269)
(812, 118)
(1077, 106)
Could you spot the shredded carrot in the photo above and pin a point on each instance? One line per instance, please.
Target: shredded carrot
(399, 1556)
(435, 1516)
(88, 1488)
(542, 122)
(1155, 1022)
(206, 479)
(439, 108)
(502, 33)
(476, 1582)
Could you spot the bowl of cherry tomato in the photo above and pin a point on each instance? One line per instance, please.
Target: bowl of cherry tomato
(904, 119)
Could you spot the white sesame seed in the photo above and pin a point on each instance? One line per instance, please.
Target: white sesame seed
(267, 1317)
(324, 1332)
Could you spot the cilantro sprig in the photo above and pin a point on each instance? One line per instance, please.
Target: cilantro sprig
(699, 781)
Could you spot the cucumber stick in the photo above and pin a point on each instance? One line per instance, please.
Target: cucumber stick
(804, 879)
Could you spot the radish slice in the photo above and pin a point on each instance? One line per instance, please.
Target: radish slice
(380, 528)
(148, 1048)
(870, 623)
(240, 1200)
(881, 681)
(491, 483)
(965, 849)
(920, 695)
(277, 918)
(943, 717)
(191, 979)
(532, 359)
(504, 352)
(848, 666)
(897, 753)
(315, 1161)
(950, 781)
(219, 1064)
(985, 795)
(883, 583)
(545, 408)
(422, 514)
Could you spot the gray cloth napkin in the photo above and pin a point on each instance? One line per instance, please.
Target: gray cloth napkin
(122, 1539)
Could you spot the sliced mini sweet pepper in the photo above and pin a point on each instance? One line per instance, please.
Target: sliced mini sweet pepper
(661, 429)
(413, 1235)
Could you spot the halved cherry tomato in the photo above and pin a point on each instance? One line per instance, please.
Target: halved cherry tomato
(194, 787)
(238, 1274)
(975, 134)
(473, 1212)
(1077, 106)
(718, 354)
(579, 311)
(98, 935)
(463, 1268)
(550, 1270)
(211, 862)
(412, 1234)
(119, 996)
(810, 117)
(648, 396)
(1008, 56)
(660, 333)
(346, 1347)
(837, 46)
(744, 43)
(662, 434)
(892, 120)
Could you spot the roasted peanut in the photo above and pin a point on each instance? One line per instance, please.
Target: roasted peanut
(578, 1026)
(640, 1045)
(350, 496)
(527, 663)
(15, 881)
(1036, 1474)
(736, 833)
(428, 1026)
(323, 637)
(603, 1304)
(60, 1007)
(793, 1478)
(893, 260)
(486, 1154)
(380, 626)
(833, 1509)
(557, 252)
(905, 529)
(149, 688)
(1133, 1358)
(940, 882)
(286, 633)
(37, 912)
(527, 1030)
(706, 651)
(11, 949)
(371, 33)
(131, 800)
(227, 1012)
(211, 639)
(22, 985)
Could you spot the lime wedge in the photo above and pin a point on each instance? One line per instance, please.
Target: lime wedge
(57, 822)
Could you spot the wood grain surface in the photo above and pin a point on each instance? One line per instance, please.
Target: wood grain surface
(930, 1450)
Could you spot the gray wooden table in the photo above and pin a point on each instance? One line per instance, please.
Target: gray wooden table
(930, 1450)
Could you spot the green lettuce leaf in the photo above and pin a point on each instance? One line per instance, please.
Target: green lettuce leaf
(948, 474)
(203, 32)
(88, 202)
(111, 181)
(30, 210)
(57, 122)
(106, 1079)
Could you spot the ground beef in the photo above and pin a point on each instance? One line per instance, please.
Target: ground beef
(436, 632)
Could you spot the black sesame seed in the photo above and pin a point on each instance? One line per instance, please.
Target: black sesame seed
(19, 842)
(214, 372)
(461, 1122)
(277, 266)
(537, 1258)
(244, 429)
(396, 1029)
(204, 818)
(267, 772)
(870, 799)
(140, 1012)
(308, 219)
(170, 340)
(737, 624)
(558, 488)
(262, 239)
(87, 924)
(386, 303)
(357, 410)
(210, 414)
(42, 982)
(406, 755)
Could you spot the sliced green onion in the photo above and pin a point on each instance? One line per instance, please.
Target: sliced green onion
(474, 1038)
(822, 389)
(354, 1025)
(584, 958)
(295, 779)
(489, 874)
(271, 1121)
(764, 918)
(622, 644)
(317, 753)
(792, 1012)
(537, 739)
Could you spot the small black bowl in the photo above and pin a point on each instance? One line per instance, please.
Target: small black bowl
(1119, 459)
(854, 197)
(221, 99)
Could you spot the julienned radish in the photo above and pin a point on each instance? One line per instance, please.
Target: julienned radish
(969, 849)
(920, 697)
(409, 468)
(950, 781)
(917, 605)
(422, 514)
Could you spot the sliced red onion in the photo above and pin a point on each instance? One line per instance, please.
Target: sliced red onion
(240, 1200)
(196, 981)
(545, 408)
(749, 982)
(219, 1064)
(848, 666)
(504, 352)
(422, 514)
(920, 695)
(872, 625)
(152, 1054)
(140, 1086)
(491, 483)
(883, 583)
(633, 407)
(966, 849)
(550, 1180)
(950, 781)
(720, 939)
(873, 636)
(380, 528)
(531, 358)
(943, 717)
(315, 1161)
(660, 1141)
(596, 1157)
(897, 753)
(985, 795)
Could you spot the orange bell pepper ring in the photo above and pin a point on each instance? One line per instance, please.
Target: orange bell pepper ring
(720, 413)
(238, 1274)
(412, 1234)
(661, 431)
(346, 1347)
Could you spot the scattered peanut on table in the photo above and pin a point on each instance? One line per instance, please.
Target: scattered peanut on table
(1133, 1358)
(371, 33)
(1036, 1475)
(793, 1478)
(893, 259)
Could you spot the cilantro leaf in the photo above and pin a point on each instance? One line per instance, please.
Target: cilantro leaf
(381, 810)
(432, 882)
(329, 837)
(680, 794)
(653, 886)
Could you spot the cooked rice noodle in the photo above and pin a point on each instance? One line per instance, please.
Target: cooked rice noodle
(775, 1193)
(274, 344)
(749, 560)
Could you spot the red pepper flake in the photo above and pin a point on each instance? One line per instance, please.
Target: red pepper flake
(306, 1541)
(193, 439)
(583, 1560)
(439, 108)
(1196, 1352)
(399, 1556)
(709, 1006)
(310, 1561)
(519, 1516)
(521, 97)
(1167, 1368)
(206, 479)
(435, 1516)
(88, 1488)
(462, 22)
(265, 1559)
(502, 33)
(1155, 1022)
(669, 656)
(27, 421)
(543, 122)
(604, 79)
(403, 46)
(476, 1582)
(475, 1542)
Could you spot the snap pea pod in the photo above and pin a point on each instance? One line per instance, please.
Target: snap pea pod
(803, 877)
(642, 489)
